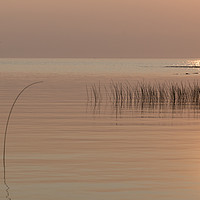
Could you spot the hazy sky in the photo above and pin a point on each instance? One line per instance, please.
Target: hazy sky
(100, 28)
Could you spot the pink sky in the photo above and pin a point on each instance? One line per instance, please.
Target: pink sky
(100, 28)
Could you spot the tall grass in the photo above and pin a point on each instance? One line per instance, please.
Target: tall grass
(151, 93)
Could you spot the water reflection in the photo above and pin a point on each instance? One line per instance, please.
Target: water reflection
(194, 62)
(186, 64)
(142, 109)
(7, 190)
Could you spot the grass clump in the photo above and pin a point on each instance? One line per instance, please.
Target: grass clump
(141, 92)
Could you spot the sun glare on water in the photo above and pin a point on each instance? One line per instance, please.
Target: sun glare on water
(195, 63)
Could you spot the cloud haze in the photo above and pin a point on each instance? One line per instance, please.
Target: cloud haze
(99, 28)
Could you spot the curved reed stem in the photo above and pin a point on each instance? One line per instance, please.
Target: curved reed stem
(7, 123)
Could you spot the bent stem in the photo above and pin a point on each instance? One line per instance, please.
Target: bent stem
(7, 123)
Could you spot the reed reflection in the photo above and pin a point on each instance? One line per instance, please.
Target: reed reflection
(6, 185)
(147, 97)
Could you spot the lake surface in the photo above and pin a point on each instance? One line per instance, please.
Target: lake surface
(60, 146)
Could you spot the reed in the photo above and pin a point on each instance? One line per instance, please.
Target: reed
(165, 93)
(7, 125)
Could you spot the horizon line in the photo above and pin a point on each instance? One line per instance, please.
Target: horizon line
(100, 57)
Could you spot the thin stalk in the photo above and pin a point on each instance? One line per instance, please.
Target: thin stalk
(7, 123)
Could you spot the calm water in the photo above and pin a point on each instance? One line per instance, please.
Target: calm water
(59, 146)
(100, 66)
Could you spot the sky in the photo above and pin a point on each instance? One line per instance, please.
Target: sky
(100, 28)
